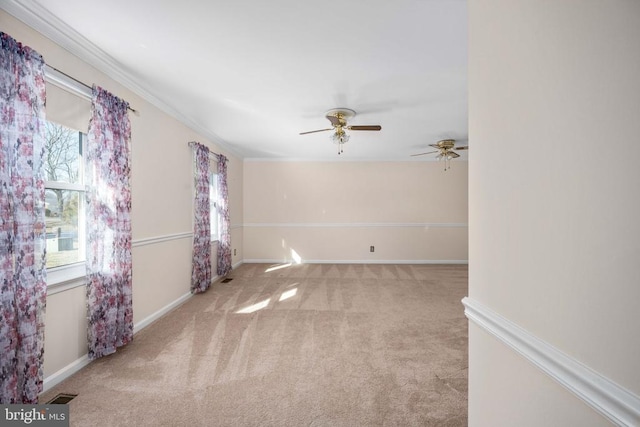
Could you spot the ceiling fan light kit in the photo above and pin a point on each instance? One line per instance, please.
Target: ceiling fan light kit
(340, 138)
(444, 148)
(338, 118)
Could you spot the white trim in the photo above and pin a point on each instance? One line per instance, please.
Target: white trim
(605, 396)
(158, 314)
(359, 261)
(68, 186)
(64, 373)
(65, 277)
(158, 239)
(75, 282)
(40, 19)
(357, 224)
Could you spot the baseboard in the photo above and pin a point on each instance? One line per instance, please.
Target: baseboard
(158, 314)
(599, 392)
(64, 373)
(359, 261)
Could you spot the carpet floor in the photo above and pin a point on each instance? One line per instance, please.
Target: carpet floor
(298, 345)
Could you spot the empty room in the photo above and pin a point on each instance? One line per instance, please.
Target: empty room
(412, 213)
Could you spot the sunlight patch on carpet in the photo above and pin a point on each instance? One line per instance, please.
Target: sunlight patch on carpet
(288, 294)
(255, 307)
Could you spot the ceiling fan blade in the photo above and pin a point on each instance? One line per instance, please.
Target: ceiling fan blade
(314, 131)
(466, 147)
(453, 155)
(365, 127)
(435, 146)
(422, 154)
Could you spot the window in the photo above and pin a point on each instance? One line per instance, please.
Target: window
(213, 204)
(64, 195)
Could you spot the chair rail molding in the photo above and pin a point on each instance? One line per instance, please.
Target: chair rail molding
(158, 239)
(616, 403)
(356, 224)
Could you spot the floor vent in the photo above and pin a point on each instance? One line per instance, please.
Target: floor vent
(61, 399)
(227, 280)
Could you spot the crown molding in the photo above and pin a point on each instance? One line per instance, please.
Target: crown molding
(40, 19)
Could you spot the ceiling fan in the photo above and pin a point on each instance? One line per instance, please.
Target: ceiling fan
(338, 118)
(445, 148)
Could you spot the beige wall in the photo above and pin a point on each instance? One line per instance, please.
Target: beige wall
(161, 207)
(334, 211)
(554, 238)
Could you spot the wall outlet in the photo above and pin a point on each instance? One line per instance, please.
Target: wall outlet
(372, 249)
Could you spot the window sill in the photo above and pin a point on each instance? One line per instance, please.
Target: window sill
(60, 279)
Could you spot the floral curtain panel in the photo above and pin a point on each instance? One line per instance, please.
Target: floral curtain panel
(108, 220)
(23, 286)
(201, 267)
(224, 244)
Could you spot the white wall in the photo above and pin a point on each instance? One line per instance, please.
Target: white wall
(554, 238)
(161, 165)
(334, 211)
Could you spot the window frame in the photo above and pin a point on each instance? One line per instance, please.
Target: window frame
(60, 279)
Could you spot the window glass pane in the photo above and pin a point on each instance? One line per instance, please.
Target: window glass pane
(63, 154)
(61, 216)
(213, 209)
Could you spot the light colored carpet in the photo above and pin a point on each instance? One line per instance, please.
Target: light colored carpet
(304, 345)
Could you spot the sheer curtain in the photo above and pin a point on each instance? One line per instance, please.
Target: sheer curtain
(201, 264)
(224, 244)
(108, 219)
(23, 286)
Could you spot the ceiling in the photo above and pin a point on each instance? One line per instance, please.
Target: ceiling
(251, 75)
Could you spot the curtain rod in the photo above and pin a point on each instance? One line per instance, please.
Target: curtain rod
(211, 153)
(56, 79)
